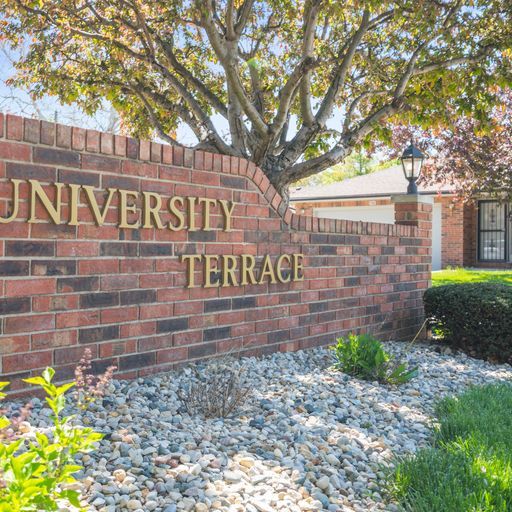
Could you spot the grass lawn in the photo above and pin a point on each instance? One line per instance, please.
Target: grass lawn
(468, 275)
(470, 466)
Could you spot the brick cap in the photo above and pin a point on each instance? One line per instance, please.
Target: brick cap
(412, 198)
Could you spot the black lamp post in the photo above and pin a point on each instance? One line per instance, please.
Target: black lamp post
(412, 161)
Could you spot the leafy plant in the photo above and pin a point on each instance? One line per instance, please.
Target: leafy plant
(362, 356)
(37, 473)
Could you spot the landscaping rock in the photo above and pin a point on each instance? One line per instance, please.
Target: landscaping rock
(309, 438)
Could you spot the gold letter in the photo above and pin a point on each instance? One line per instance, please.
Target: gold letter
(298, 265)
(190, 259)
(279, 270)
(206, 211)
(73, 204)
(152, 211)
(208, 269)
(99, 217)
(37, 191)
(15, 202)
(228, 270)
(191, 213)
(177, 213)
(248, 263)
(267, 270)
(227, 211)
(124, 208)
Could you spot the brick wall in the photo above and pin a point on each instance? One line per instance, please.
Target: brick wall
(456, 221)
(122, 293)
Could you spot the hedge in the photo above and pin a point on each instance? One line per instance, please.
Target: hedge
(473, 317)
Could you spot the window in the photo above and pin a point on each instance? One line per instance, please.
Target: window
(492, 231)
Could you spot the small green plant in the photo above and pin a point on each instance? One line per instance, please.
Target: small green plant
(36, 472)
(362, 356)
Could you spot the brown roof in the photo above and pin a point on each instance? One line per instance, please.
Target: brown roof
(387, 182)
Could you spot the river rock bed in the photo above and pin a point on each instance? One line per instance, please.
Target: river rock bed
(309, 437)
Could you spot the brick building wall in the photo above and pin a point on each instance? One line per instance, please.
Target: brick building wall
(470, 235)
(452, 232)
(122, 292)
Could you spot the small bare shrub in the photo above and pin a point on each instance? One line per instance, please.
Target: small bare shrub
(89, 387)
(218, 391)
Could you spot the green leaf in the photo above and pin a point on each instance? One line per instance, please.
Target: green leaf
(21, 463)
(65, 387)
(48, 374)
(42, 439)
(4, 422)
(37, 381)
(72, 496)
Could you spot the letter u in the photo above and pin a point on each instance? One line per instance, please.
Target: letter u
(15, 202)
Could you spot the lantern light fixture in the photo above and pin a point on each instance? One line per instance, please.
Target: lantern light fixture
(412, 162)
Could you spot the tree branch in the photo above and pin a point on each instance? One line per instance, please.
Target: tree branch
(325, 110)
(310, 23)
(244, 12)
(307, 133)
(154, 119)
(470, 59)
(227, 55)
(409, 70)
(288, 92)
(230, 21)
(355, 103)
(207, 93)
(343, 146)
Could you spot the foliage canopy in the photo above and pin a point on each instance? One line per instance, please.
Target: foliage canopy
(473, 155)
(298, 83)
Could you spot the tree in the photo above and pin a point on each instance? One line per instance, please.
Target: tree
(299, 84)
(17, 101)
(474, 157)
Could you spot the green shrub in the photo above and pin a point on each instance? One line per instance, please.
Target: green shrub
(469, 468)
(474, 317)
(37, 473)
(364, 357)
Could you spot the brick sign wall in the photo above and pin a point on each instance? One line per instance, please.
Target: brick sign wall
(151, 256)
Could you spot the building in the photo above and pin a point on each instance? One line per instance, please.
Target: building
(477, 234)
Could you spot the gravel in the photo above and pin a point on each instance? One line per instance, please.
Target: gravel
(309, 438)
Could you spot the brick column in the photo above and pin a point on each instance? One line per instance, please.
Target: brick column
(413, 210)
(416, 211)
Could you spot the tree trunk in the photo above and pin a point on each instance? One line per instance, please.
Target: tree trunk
(278, 175)
(281, 174)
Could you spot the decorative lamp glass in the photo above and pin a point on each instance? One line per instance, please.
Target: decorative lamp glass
(412, 161)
